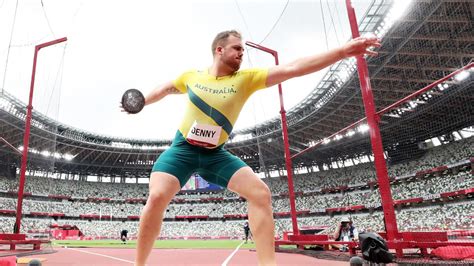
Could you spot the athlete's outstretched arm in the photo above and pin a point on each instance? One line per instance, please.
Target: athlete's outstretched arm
(160, 92)
(310, 64)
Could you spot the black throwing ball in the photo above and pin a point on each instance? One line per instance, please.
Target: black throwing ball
(133, 101)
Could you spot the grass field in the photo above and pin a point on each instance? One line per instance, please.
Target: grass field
(205, 244)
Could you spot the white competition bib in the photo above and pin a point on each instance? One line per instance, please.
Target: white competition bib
(204, 135)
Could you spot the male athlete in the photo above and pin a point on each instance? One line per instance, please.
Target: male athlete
(215, 97)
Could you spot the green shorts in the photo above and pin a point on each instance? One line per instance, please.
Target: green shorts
(183, 159)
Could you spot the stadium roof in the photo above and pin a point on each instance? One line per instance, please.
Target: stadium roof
(434, 39)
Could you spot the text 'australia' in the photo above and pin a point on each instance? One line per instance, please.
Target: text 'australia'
(225, 90)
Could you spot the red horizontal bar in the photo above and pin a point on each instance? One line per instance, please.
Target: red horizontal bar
(192, 216)
(386, 109)
(421, 91)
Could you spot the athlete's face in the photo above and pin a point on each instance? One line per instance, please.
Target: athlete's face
(232, 52)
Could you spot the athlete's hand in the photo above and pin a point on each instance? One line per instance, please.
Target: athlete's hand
(360, 46)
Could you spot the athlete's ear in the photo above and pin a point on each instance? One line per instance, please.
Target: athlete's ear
(219, 49)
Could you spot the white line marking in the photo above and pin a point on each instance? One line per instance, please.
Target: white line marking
(232, 254)
(102, 255)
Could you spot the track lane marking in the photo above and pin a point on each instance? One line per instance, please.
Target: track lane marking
(102, 255)
(232, 254)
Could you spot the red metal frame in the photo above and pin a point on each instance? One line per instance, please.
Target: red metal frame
(376, 140)
(390, 107)
(11, 146)
(425, 89)
(284, 127)
(395, 239)
(407, 242)
(26, 138)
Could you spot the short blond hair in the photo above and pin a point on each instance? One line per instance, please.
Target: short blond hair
(221, 39)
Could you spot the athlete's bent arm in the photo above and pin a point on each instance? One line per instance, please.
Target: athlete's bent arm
(310, 64)
(160, 92)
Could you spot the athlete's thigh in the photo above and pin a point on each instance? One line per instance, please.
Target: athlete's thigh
(179, 161)
(164, 185)
(247, 184)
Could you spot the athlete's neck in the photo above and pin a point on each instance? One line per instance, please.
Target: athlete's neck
(220, 70)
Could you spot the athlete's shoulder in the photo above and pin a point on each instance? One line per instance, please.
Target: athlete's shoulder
(255, 77)
(187, 74)
(194, 73)
(190, 72)
(252, 71)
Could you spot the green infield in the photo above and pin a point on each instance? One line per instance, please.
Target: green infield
(205, 244)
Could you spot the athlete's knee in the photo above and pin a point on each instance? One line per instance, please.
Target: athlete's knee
(162, 189)
(260, 195)
(158, 199)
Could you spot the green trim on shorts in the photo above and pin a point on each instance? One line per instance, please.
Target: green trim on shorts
(182, 159)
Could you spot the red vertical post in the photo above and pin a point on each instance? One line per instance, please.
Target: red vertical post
(26, 137)
(284, 126)
(375, 138)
